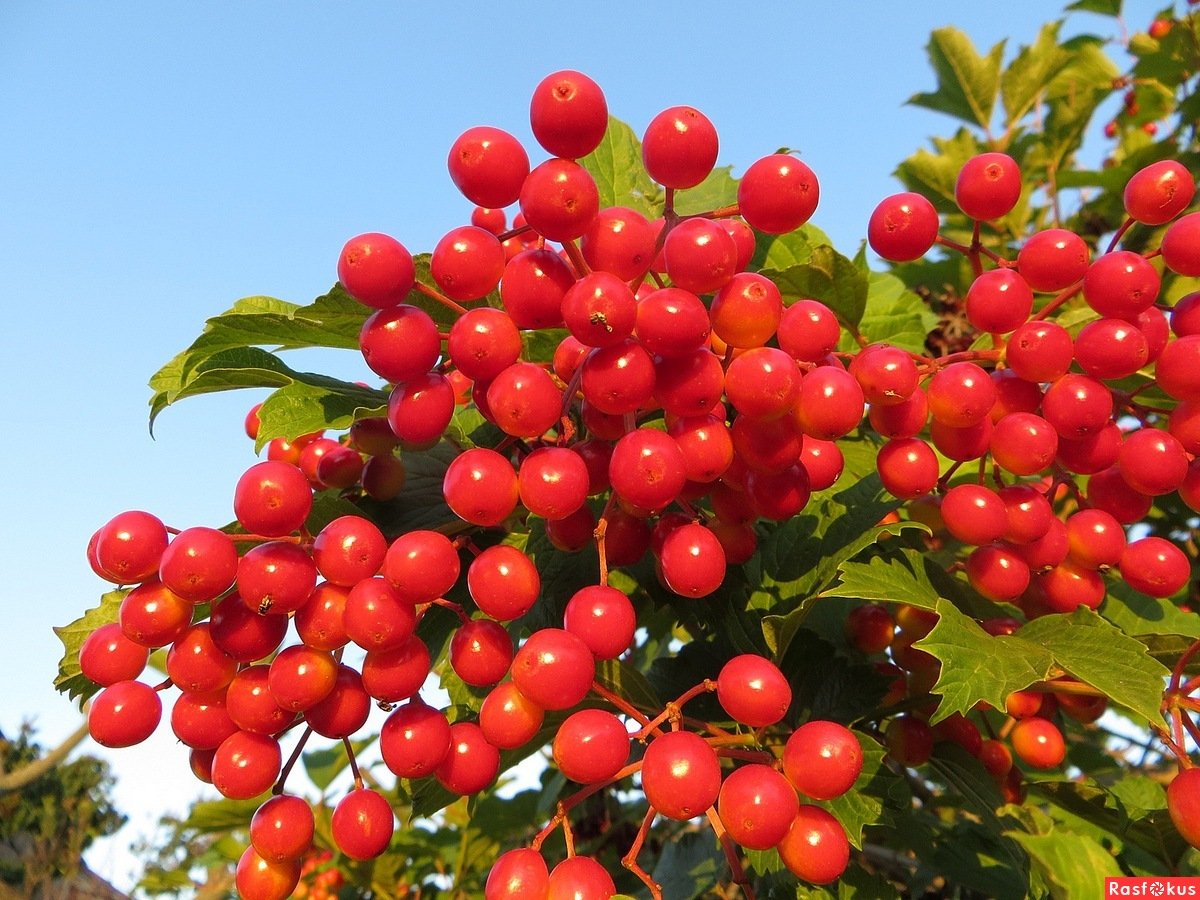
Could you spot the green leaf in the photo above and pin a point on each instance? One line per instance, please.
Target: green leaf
(70, 679)
(718, 189)
(562, 575)
(299, 408)
(803, 555)
(1098, 653)
(874, 797)
(1073, 865)
(967, 82)
(626, 681)
(539, 345)
(1028, 75)
(891, 578)
(1100, 7)
(689, 865)
(976, 665)
(978, 789)
(934, 174)
(616, 166)
(332, 320)
(829, 277)
(781, 251)
(1139, 615)
(893, 314)
(324, 765)
(213, 816)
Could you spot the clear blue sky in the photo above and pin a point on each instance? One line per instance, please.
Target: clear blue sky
(160, 160)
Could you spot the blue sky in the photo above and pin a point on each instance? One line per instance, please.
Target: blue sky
(161, 160)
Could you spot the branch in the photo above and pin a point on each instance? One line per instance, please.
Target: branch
(14, 781)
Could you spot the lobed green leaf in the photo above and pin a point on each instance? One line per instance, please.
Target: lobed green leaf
(967, 82)
(70, 679)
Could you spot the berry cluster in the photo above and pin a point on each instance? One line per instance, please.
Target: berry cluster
(688, 404)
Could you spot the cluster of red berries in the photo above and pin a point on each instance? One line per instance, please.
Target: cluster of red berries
(696, 402)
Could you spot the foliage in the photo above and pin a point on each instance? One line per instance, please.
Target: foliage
(49, 822)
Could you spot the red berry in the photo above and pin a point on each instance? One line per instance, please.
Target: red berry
(1183, 803)
(681, 775)
(757, 806)
(376, 270)
(362, 824)
(1159, 192)
(815, 848)
(753, 691)
(591, 746)
(679, 147)
(988, 186)
(568, 114)
(489, 166)
(123, 714)
(903, 227)
(822, 759)
(554, 669)
(778, 193)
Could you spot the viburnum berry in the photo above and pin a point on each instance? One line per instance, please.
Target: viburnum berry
(998, 301)
(700, 256)
(822, 759)
(988, 186)
(579, 878)
(519, 874)
(692, 561)
(1038, 743)
(376, 270)
(559, 200)
(1159, 192)
(815, 847)
(603, 617)
(362, 824)
(757, 806)
(753, 691)
(414, 740)
(778, 194)
(396, 674)
(246, 764)
(261, 879)
(282, 828)
(903, 227)
(480, 487)
(123, 714)
(1183, 804)
(554, 668)
(399, 343)
(1155, 566)
(679, 147)
(621, 241)
(199, 564)
(508, 718)
(681, 775)
(471, 763)
(1121, 284)
(591, 746)
(568, 114)
(1179, 245)
(467, 263)
(108, 656)
(488, 165)
(1053, 259)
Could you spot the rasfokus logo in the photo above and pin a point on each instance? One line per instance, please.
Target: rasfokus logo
(1152, 887)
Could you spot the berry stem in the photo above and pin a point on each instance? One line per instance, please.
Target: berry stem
(629, 860)
(1059, 299)
(291, 761)
(358, 779)
(439, 297)
(620, 703)
(565, 806)
(463, 618)
(577, 260)
(1118, 234)
(737, 873)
